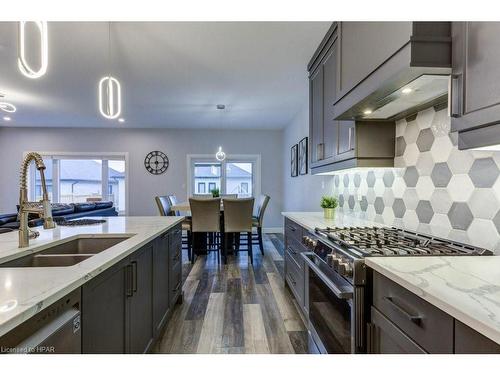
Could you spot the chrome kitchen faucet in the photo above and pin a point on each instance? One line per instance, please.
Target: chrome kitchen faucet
(42, 208)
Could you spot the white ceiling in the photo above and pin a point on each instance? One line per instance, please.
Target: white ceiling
(172, 74)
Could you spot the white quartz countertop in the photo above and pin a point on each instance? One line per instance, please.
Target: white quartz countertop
(467, 288)
(25, 291)
(312, 220)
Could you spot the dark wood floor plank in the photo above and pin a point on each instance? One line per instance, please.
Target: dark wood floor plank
(299, 341)
(200, 300)
(232, 334)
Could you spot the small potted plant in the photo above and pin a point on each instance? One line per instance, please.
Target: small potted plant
(215, 193)
(329, 204)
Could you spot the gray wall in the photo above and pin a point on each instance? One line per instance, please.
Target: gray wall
(143, 186)
(301, 193)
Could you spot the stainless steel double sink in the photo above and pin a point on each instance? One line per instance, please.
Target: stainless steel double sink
(68, 253)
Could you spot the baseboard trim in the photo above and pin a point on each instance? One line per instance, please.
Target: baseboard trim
(273, 230)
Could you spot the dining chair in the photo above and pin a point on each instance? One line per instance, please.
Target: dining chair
(237, 220)
(205, 218)
(258, 220)
(186, 224)
(165, 207)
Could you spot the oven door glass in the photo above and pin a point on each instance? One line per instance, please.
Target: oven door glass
(330, 316)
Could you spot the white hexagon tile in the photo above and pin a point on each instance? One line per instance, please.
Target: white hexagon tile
(434, 188)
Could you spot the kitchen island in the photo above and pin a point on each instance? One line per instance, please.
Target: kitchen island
(26, 291)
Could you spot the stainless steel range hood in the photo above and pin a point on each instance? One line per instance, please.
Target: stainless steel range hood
(412, 79)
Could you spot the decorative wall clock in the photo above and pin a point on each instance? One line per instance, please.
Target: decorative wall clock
(156, 162)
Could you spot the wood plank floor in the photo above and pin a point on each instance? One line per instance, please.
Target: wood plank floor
(236, 308)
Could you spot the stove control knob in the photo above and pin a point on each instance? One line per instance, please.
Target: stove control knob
(336, 261)
(314, 243)
(345, 269)
(330, 258)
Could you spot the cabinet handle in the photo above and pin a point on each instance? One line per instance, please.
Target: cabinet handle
(292, 250)
(134, 276)
(351, 130)
(292, 279)
(293, 229)
(454, 109)
(412, 318)
(177, 231)
(129, 282)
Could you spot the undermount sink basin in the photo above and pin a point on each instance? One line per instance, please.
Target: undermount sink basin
(66, 254)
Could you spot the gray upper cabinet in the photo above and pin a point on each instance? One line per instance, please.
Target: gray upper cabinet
(330, 72)
(316, 115)
(364, 46)
(475, 93)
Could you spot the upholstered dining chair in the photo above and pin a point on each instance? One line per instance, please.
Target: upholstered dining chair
(186, 224)
(165, 207)
(258, 219)
(237, 220)
(205, 218)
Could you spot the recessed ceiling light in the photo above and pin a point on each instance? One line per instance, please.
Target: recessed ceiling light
(7, 107)
(367, 112)
(121, 120)
(6, 118)
(221, 106)
(406, 90)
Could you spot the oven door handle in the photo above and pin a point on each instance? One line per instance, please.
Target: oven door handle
(341, 294)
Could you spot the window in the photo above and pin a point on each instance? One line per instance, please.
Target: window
(239, 174)
(82, 178)
(239, 177)
(206, 173)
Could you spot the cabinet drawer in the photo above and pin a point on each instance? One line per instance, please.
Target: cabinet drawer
(293, 230)
(293, 250)
(385, 338)
(468, 341)
(294, 277)
(417, 318)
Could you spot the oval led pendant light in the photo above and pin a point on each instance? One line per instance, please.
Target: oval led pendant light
(22, 63)
(220, 155)
(7, 107)
(110, 97)
(109, 90)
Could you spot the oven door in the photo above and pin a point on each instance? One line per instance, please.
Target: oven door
(330, 302)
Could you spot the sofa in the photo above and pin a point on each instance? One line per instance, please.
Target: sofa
(68, 211)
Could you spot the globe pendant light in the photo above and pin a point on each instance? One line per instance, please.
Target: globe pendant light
(109, 90)
(22, 63)
(220, 155)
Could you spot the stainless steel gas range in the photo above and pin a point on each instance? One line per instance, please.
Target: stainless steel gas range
(338, 284)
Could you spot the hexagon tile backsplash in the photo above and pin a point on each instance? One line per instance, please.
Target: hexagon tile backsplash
(434, 188)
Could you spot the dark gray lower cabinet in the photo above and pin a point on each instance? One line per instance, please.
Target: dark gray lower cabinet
(161, 307)
(140, 303)
(125, 308)
(384, 337)
(402, 322)
(104, 313)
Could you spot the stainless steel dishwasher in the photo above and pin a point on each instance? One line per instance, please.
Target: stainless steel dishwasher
(56, 329)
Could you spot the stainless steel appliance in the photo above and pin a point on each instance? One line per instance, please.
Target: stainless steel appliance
(337, 282)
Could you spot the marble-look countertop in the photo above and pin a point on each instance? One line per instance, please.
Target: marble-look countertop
(467, 288)
(312, 220)
(26, 291)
